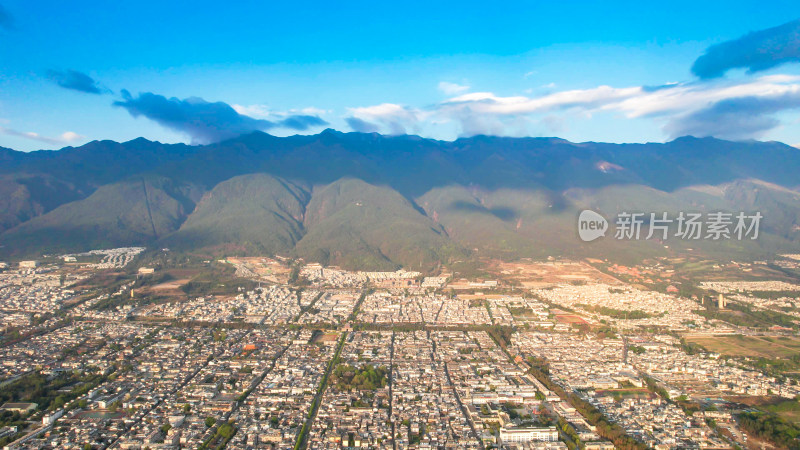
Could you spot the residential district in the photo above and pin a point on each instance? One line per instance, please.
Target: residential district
(108, 349)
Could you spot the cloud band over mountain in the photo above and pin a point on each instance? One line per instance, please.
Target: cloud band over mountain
(731, 110)
(735, 118)
(206, 122)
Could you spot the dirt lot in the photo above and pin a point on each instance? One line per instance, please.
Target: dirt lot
(172, 285)
(267, 269)
(752, 346)
(533, 274)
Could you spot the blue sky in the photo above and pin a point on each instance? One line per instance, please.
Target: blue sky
(71, 72)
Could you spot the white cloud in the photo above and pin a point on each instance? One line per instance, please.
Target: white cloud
(489, 113)
(311, 111)
(393, 118)
(384, 110)
(489, 103)
(255, 111)
(71, 136)
(685, 98)
(452, 88)
(261, 111)
(636, 101)
(64, 138)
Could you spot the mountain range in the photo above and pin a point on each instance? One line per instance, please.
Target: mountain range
(368, 201)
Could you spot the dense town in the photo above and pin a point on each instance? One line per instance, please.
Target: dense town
(304, 356)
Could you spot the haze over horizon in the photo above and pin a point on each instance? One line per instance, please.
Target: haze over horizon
(624, 73)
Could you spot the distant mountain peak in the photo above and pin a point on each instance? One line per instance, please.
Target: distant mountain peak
(690, 138)
(141, 140)
(330, 131)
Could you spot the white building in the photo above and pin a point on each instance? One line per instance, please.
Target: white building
(549, 434)
(51, 418)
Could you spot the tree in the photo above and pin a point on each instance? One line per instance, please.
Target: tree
(210, 421)
(226, 430)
